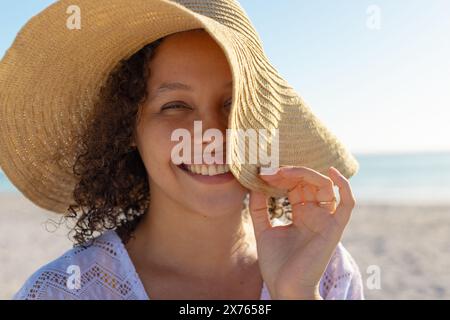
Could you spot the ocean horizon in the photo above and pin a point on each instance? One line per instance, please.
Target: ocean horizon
(416, 178)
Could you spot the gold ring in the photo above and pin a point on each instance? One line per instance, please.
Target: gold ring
(321, 203)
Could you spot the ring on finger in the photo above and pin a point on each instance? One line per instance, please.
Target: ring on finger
(324, 203)
(319, 203)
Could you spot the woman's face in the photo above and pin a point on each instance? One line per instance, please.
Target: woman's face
(189, 81)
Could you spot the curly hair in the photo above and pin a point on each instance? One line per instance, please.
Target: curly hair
(112, 190)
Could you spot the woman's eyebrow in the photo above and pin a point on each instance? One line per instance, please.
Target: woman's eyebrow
(169, 86)
(173, 86)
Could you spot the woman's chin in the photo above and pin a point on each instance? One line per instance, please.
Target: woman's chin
(218, 205)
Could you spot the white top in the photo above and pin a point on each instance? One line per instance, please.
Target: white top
(106, 272)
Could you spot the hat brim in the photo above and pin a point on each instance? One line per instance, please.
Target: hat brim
(51, 75)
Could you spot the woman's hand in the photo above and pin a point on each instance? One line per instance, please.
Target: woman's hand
(293, 258)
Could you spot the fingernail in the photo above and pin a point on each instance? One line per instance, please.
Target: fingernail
(268, 171)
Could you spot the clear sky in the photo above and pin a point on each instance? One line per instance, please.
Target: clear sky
(376, 72)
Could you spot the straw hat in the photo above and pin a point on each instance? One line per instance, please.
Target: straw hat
(51, 75)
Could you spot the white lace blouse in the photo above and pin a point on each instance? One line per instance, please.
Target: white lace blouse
(105, 271)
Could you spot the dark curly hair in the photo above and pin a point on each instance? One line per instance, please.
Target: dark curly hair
(112, 190)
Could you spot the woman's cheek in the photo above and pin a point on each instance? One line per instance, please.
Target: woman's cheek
(157, 137)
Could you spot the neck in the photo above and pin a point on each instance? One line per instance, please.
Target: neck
(192, 244)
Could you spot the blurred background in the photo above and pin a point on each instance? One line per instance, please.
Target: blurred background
(378, 74)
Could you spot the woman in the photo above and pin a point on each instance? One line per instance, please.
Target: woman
(149, 228)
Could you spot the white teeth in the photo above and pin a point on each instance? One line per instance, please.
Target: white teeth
(208, 170)
(212, 170)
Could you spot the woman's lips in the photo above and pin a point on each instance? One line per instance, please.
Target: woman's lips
(207, 179)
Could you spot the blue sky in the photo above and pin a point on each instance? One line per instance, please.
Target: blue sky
(378, 90)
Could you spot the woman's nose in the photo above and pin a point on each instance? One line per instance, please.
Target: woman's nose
(214, 119)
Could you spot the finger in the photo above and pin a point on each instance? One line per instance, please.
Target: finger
(309, 217)
(300, 195)
(330, 206)
(347, 200)
(293, 176)
(326, 198)
(296, 195)
(309, 193)
(307, 174)
(318, 188)
(258, 212)
(296, 198)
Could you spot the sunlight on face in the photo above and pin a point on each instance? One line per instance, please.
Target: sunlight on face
(190, 80)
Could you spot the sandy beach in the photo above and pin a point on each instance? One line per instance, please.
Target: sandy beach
(409, 244)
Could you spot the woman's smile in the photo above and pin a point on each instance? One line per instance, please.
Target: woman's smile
(209, 174)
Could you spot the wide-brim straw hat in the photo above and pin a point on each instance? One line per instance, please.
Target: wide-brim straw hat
(51, 75)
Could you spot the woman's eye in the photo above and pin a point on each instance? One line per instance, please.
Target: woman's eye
(228, 104)
(174, 106)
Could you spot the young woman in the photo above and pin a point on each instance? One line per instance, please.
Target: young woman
(147, 228)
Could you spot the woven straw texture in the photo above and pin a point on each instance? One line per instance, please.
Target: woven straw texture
(51, 75)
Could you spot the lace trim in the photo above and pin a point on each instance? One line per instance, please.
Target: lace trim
(108, 273)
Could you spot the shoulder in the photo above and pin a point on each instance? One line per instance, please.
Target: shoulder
(342, 277)
(98, 270)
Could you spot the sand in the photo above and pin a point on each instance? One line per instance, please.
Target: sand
(409, 244)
